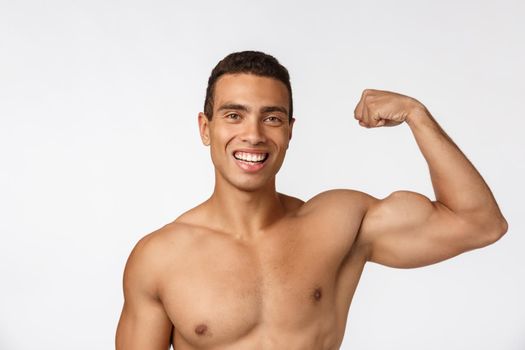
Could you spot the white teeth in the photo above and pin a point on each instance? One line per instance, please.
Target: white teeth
(250, 157)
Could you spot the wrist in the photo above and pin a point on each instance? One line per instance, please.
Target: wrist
(417, 115)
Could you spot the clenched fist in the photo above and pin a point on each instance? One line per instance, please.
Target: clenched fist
(384, 108)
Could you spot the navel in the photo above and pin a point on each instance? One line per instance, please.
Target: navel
(201, 329)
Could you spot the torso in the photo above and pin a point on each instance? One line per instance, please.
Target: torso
(290, 288)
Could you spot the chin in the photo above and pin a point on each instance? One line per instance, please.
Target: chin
(250, 186)
(247, 182)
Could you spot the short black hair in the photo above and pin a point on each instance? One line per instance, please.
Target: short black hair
(251, 62)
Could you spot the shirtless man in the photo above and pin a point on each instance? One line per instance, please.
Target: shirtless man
(251, 268)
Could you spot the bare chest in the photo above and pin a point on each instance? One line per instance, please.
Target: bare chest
(224, 290)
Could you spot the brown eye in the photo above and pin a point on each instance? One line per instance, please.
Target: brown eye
(273, 119)
(233, 116)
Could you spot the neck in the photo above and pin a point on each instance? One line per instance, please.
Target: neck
(244, 213)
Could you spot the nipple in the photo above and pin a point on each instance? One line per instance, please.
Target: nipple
(201, 329)
(318, 293)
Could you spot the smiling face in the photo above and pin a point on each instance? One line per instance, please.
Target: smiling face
(249, 132)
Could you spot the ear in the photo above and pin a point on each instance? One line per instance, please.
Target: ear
(290, 131)
(204, 129)
(292, 121)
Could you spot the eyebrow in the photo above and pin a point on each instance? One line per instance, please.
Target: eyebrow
(270, 109)
(240, 107)
(233, 106)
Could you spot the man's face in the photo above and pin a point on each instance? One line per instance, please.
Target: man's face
(249, 132)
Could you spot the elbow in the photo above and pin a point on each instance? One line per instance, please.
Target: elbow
(484, 230)
(495, 229)
(502, 228)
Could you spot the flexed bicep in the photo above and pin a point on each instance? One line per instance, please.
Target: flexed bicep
(408, 230)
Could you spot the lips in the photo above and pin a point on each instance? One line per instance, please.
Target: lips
(250, 161)
(250, 157)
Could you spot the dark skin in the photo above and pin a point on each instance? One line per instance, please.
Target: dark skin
(251, 268)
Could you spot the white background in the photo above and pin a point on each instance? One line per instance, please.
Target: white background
(99, 146)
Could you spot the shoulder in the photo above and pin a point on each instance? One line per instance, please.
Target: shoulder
(152, 254)
(165, 238)
(338, 200)
(339, 211)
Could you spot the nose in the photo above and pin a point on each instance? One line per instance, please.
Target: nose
(253, 132)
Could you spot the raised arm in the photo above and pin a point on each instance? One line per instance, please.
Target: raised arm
(407, 229)
(143, 323)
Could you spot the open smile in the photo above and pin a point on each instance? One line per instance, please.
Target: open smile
(250, 161)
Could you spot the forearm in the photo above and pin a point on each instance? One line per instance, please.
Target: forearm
(457, 184)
